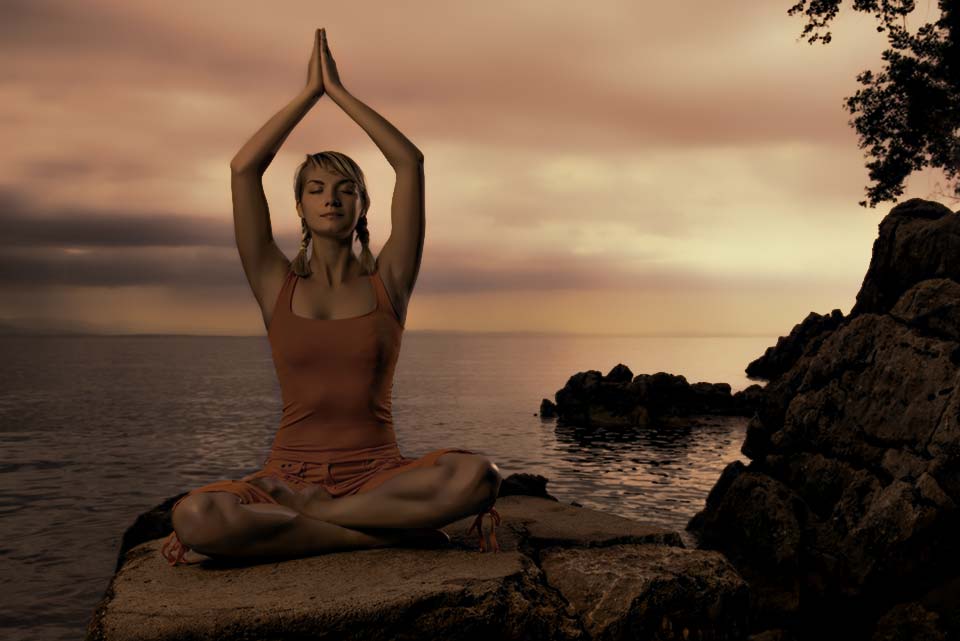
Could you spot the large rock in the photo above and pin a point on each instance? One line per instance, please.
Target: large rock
(918, 240)
(806, 335)
(563, 573)
(622, 400)
(844, 523)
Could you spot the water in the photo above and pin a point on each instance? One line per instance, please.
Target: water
(95, 430)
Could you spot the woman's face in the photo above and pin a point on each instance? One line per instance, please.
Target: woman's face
(329, 202)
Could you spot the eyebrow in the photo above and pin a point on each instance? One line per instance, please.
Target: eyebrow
(343, 180)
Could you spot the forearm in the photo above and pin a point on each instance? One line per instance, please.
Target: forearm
(392, 143)
(261, 149)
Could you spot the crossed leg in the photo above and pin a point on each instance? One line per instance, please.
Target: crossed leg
(458, 485)
(404, 510)
(212, 524)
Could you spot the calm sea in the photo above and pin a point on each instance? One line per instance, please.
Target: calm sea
(95, 430)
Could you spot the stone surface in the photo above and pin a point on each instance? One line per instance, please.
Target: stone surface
(546, 583)
(642, 591)
(917, 240)
(806, 335)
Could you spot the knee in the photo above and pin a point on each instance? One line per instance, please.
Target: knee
(493, 478)
(480, 481)
(191, 519)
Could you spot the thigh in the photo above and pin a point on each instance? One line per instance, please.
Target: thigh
(451, 457)
(433, 458)
(238, 491)
(463, 464)
(221, 499)
(194, 508)
(458, 461)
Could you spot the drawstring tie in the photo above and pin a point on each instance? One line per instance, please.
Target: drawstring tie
(494, 522)
(173, 550)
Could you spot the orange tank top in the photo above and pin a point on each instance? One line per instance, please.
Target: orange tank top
(336, 379)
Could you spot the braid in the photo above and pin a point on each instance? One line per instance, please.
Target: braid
(363, 234)
(301, 265)
(367, 261)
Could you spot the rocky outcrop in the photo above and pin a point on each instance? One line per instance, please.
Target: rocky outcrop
(563, 572)
(844, 522)
(918, 240)
(805, 336)
(620, 399)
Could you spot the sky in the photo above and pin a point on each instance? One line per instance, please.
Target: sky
(627, 168)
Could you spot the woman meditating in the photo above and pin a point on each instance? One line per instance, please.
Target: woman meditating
(335, 478)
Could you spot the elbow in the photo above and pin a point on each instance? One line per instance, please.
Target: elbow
(240, 168)
(414, 158)
(239, 165)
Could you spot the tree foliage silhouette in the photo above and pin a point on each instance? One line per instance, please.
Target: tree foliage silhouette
(908, 115)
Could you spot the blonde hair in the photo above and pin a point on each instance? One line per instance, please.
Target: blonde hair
(338, 163)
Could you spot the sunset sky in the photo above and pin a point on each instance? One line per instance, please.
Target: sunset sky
(668, 168)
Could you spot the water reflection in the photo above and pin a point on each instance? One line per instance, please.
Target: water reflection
(659, 475)
(95, 431)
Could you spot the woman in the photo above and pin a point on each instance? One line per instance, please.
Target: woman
(335, 478)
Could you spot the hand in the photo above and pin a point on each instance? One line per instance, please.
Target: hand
(331, 79)
(314, 75)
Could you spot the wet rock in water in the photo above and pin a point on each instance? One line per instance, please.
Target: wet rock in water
(548, 409)
(620, 399)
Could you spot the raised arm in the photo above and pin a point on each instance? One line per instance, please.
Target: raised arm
(263, 262)
(260, 150)
(393, 144)
(399, 260)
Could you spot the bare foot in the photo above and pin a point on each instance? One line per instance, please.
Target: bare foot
(194, 557)
(314, 493)
(282, 494)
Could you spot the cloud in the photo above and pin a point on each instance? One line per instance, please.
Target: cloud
(82, 227)
(615, 78)
(633, 148)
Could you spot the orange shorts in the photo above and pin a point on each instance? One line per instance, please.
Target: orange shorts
(339, 479)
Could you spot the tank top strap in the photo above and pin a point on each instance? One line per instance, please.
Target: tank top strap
(285, 299)
(383, 299)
